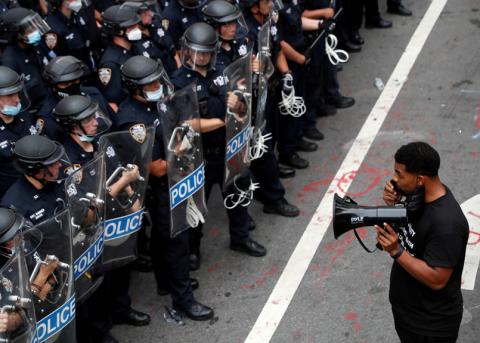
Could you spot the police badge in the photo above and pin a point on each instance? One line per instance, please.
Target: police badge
(74, 170)
(104, 74)
(51, 40)
(165, 24)
(138, 132)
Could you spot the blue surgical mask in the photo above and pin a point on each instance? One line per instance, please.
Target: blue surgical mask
(154, 95)
(34, 38)
(9, 110)
(86, 138)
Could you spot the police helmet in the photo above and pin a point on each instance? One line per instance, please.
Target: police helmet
(191, 4)
(219, 12)
(20, 21)
(117, 18)
(64, 69)
(139, 71)
(33, 153)
(10, 81)
(198, 39)
(142, 5)
(10, 224)
(72, 110)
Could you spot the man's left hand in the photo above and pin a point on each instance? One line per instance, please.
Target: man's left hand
(388, 238)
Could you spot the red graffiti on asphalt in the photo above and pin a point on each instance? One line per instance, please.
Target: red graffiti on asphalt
(375, 177)
(260, 281)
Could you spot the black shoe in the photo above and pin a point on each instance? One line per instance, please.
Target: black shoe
(326, 110)
(109, 339)
(380, 23)
(342, 101)
(400, 10)
(194, 260)
(285, 172)
(165, 291)
(250, 247)
(313, 133)
(355, 38)
(306, 146)
(282, 207)
(132, 317)
(294, 161)
(252, 225)
(142, 264)
(350, 46)
(195, 311)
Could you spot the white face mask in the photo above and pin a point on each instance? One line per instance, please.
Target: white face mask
(134, 35)
(75, 6)
(154, 95)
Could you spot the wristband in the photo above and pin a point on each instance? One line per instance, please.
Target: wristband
(399, 252)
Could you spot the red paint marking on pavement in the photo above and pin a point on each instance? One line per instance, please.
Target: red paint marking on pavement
(374, 174)
(477, 118)
(315, 186)
(262, 280)
(213, 267)
(478, 238)
(296, 335)
(474, 214)
(214, 232)
(357, 327)
(378, 275)
(350, 316)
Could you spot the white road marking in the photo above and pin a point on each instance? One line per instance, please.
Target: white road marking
(297, 265)
(471, 208)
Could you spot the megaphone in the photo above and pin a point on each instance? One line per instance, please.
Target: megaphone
(348, 215)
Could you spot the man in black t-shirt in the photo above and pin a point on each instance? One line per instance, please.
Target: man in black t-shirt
(429, 252)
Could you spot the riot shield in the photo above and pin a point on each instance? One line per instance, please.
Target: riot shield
(85, 189)
(51, 278)
(16, 302)
(266, 71)
(180, 119)
(238, 118)
(125, 151)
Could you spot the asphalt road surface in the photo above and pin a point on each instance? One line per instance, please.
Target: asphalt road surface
(343, 293)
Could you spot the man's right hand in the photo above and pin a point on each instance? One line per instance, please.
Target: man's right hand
(131, 175)
(390, 196)
(3, 322)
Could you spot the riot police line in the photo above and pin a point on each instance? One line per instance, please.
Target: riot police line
(186, 95)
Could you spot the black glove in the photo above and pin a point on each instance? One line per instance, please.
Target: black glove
(329, 25)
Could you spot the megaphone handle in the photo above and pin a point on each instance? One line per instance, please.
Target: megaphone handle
(363, 244)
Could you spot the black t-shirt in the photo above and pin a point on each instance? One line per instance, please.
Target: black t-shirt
(439, 237)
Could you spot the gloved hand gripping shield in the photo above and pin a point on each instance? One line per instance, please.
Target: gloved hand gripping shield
(16, 303)
(129, 154)
(51, 278)
(180, 119)
(85, 189)
(260, 82)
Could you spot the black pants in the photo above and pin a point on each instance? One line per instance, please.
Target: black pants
(170, 256)
(238, 217)
(411, 337)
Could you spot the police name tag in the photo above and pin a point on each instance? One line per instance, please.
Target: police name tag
(237, 143)
(55, 321)
(122, 226)
(187, 187)
(88, 258)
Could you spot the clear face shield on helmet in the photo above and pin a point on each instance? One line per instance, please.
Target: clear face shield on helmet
(234, 29)
(196, 58)
(93, 126)
(158, 89)
(32, 28)
(14, 100)
(23, 236)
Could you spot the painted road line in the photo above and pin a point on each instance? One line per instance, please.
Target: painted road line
(471, 208)
(297, 265)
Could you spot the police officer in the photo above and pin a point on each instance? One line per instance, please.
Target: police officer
(155, 43)
(65, 75)
(37, 195)
(69, 31)
(82, 118)
(179, 15)
(199, 49)
(14, 123)
(148, 83)
(120, 29)
(230, 25)
(24, 29)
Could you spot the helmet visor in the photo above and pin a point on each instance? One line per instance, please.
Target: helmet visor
(233, 29)
(195, 57)
(33, 23)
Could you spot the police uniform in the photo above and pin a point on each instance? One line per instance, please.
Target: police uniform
(238, 48)
(28, 62)
(211, 92)
(176, 19)
(21, 125)
(109, 72)
(34, 204)
(68, 36)
(170, 256)
(149, 48)
(164, 42)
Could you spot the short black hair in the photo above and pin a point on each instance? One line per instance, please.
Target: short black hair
(419, 158)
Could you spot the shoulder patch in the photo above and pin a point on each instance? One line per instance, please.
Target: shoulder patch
(51, 40)
(105, 74)
(138, 132)
(40, 125)
(74, 170)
